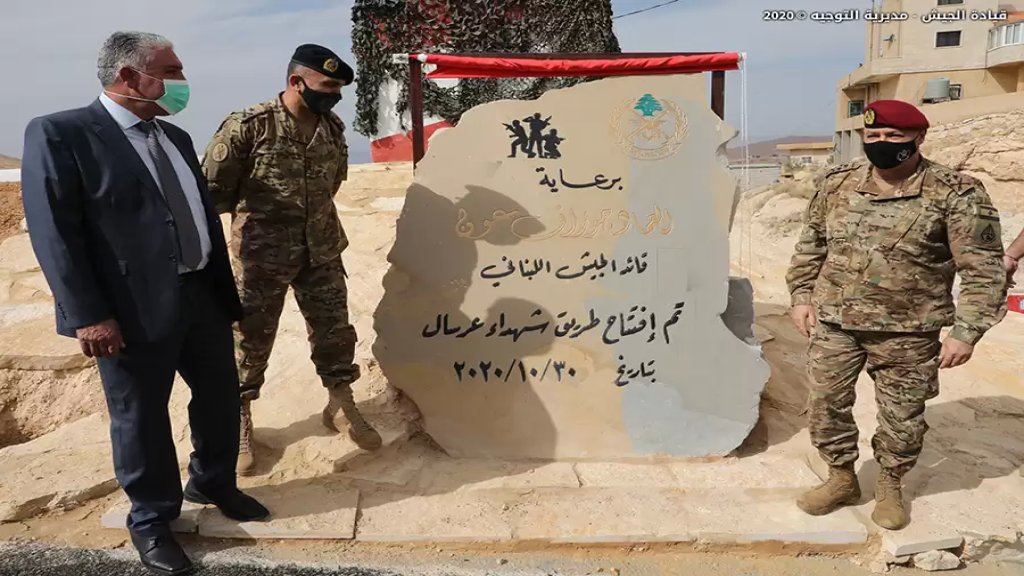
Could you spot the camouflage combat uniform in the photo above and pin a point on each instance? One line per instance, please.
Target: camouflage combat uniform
(279, 187)
(879, 268)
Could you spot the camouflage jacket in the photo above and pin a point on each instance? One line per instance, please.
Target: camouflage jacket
(279, 186)
(868, 260)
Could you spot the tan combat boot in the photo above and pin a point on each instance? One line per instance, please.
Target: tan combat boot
(841, 489)
(889, 511)
(246, 456)
(341, 413)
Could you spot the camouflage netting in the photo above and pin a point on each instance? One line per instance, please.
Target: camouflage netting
(384, 27)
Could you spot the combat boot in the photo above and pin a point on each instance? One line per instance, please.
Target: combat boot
(341, 413)
(246, 455)
(841, 489)
(889, 511)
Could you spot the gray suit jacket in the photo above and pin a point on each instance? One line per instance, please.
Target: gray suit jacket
(101, 229)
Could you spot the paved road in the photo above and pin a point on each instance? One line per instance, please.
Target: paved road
(37, 560)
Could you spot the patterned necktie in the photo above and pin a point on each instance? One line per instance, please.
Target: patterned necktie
(184, 222)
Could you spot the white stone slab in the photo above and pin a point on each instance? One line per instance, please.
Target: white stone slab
(603, 516)
(728, 516)
(571, 307)
(612, 475)
(448, 475)
(761, 471)
(300, 511)
(186, 523)
(920, 537)
(60, 470)
(479, 516)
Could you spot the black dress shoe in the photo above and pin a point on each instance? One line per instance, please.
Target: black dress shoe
(161, 554)
(232, 503)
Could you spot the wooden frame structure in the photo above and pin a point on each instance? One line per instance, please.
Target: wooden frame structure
(416, 83)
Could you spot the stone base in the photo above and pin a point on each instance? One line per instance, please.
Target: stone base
(410, 493)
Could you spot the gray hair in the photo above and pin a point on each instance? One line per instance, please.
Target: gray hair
(127, 49)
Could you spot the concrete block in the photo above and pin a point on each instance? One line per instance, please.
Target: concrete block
(918, 538)
(312, 510)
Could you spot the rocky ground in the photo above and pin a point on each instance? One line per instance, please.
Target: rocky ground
(10, 209)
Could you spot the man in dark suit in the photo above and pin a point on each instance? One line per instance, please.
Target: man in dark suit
(120, 221)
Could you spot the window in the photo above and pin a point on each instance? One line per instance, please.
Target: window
(947, 39)
(1018, 33)
(954, 91)
(806, 159)
(856, 108)
(948, 2)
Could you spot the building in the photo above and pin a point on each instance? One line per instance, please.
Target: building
(953, 68)
(805, 153)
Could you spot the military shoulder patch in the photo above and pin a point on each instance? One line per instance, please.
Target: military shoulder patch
(219, 152)
(987, 233)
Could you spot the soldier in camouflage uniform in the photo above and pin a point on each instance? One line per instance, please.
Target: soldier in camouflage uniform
(276, 167)
(871, 284)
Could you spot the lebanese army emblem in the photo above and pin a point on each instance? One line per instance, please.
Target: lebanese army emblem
(220, 152)
(331, 65)
(649, 128)
(869, 117)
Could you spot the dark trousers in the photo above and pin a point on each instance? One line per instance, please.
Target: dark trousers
(137, 384)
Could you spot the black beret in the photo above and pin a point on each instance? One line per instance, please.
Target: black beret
(323, 61)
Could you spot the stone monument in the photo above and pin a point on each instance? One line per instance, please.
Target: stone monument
(559, 277)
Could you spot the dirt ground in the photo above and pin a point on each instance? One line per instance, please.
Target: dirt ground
(10, 209)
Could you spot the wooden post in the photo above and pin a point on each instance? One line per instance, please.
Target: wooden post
(718, 93)
(416, 109)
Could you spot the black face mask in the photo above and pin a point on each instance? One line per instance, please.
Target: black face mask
(319, 102)
(887, 155)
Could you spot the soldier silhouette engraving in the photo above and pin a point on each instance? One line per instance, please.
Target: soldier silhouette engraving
(520, 138)
(537, 126)
(551, 142)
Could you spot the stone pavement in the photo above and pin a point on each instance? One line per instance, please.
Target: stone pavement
(412, 493)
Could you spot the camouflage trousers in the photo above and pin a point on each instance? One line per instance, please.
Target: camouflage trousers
(322, 296)
(904, 367)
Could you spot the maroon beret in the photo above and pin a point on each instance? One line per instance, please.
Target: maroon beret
(894, 114)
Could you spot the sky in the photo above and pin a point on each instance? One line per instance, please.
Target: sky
(235, 54)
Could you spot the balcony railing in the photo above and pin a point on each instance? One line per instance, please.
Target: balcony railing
(1006, 35)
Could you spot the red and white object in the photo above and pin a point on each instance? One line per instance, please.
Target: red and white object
(1015, 303)
(392, 143)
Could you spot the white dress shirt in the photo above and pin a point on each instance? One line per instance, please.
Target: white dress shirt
(127, 120)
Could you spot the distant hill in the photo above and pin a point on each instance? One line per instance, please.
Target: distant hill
(765, 151)
(7, 162)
